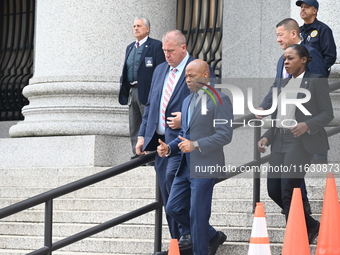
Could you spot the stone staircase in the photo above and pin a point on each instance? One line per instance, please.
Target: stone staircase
(232, 212)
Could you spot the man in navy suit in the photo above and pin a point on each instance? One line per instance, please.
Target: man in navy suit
(201, 144)
(141, 59)
(288, 33)
(161, 119)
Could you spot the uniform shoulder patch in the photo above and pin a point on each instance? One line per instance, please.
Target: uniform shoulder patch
(314, 33)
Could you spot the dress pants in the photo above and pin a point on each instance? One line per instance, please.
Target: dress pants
(165, 171)
(287, 160)
(190, 205)
(136, 111)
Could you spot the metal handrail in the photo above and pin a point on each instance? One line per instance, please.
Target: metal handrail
(76, 185)
(47, 197)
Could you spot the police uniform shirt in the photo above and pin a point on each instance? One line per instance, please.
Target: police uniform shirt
(319, 36)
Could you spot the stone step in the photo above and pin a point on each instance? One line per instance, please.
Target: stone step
(121, 246)
(55, 177)
(231, 212)
(218, 219)
(94, 192)
(240, 248)
(24, 252)
(220, 192)
(89, 245)
(126, 231)
(114, 204)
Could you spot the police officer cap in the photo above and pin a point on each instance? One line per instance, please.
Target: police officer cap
(308, 2)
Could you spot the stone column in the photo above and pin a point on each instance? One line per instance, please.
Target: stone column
(79, 52)
(250, 54)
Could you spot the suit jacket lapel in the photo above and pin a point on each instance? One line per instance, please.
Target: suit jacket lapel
(162, 74)
(181, 81)
(280, 67)
(178, 86)
(304, 84)
(145, 50)
(284, 82)
(128, 50)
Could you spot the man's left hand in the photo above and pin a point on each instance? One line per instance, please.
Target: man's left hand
(186, 145)
(299, 129)
(174, 122)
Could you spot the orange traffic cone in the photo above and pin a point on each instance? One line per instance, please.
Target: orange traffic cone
(329, 233)
(259, 240)
(296, 237)
(173, 248)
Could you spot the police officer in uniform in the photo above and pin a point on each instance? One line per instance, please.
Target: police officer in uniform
(315, 33)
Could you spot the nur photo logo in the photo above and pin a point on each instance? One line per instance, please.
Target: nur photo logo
(203, 97)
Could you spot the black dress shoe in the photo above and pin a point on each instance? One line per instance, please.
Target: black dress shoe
(313, 233)
(216, 241)
(185, 242)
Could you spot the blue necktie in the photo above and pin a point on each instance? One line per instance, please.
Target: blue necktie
(192, 106)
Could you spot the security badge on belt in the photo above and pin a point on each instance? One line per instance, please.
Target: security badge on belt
(312, 34)
(148, 62)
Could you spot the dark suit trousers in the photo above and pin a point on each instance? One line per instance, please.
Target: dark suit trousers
(287, 160)
(165, 170)
(190, 205)
(136, 111)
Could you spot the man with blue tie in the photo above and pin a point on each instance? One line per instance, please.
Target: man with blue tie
(200, 143)
(161, 119)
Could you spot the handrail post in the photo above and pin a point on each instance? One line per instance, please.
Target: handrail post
(158, 220)
(256, 174)
(48, 224)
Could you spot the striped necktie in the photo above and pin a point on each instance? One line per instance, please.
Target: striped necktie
(169, 87)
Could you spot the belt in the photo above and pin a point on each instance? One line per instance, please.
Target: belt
(283, 131)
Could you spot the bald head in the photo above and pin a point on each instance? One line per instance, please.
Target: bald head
(174, 36)
(200, 65)
(174, 47)
(197, 74)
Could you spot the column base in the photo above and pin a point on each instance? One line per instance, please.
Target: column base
(64, 151)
